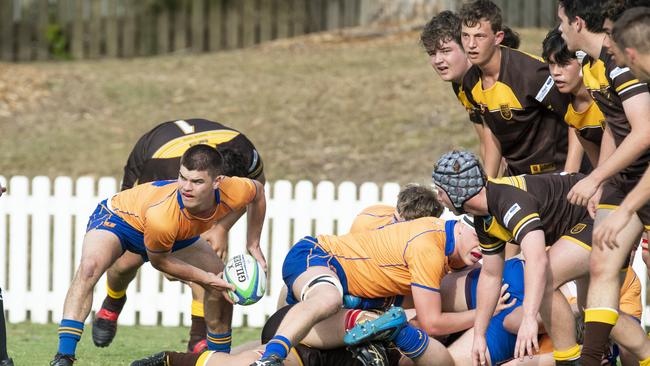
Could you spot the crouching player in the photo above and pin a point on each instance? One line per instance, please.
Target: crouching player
(407, 258)
(162, 221)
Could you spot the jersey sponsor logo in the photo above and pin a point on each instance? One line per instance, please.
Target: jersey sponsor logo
(511, 212)
(108, 224)
(545, 89)
(618, 71)
(506, 112)
(578, 228)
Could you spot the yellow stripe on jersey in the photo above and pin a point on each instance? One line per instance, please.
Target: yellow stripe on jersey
(626, 84)
(523, 222)
(496, 96)
(594, 75)
(516, 181)
(498, 231)
(176, 147)
(462, 97)
(590, 117)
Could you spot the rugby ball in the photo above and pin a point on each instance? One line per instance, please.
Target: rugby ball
(248, 277)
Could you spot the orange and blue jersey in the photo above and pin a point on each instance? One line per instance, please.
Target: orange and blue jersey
(152, 217)
(373, 217)
(379, 263)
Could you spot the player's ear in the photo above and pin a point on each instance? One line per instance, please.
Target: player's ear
(217, 180)
(630, 55)
(498, 37)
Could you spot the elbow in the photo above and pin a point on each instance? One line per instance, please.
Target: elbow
(433, 329)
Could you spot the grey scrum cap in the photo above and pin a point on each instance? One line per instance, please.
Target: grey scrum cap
(460, 175)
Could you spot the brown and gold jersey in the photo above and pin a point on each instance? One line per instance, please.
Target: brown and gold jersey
(524, 111)
(521, 204)
(474, 112)
(610, 85)
(589, 124)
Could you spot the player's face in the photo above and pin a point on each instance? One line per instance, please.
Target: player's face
(567, 77)
(197, 188)
(444, 199)
(639, 64)
(569, 32)
(468, 245)
(449, 61)
(608, 25)
(480, 42)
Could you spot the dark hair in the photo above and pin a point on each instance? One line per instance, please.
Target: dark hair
(441, 28)
(554, 49)
(510, 38)
(234, 163)
(632, 28)
(203, 158)
(589, 10)
(415, 201)
(472, 13)
(613, 9)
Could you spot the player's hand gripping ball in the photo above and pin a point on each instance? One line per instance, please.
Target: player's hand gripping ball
(248, 277)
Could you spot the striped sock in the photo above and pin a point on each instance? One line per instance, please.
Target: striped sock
(278, 345)
(567, 355)
(411, 341)
(69, 334)
(220, 342)
(598, 325)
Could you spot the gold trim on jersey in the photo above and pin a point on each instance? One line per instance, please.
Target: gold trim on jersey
(517, 181)
(496, 230)
(462, 97)
(523, 222)
(498, 98)
(589, 118)
(576, 241)
(626, 84)
(593, 75)
(176, 147)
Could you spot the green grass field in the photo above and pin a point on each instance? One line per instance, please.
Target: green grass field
(36, 344)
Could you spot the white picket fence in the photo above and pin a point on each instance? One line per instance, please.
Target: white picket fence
(42, 225)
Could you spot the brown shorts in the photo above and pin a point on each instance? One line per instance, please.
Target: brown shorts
(581, 232)
(614, 192)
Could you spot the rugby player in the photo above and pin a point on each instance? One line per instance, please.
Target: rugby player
(531, 211)
(524, 115)
(441, 40)
(624, 156)
(161, 221)
(406, 258)
(156, 156)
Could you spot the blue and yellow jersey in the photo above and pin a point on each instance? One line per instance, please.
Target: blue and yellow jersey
(589, 124)
(373, 217)
(390, 260)
(524, 111)
(156, 210)
(157, 154)
(521, 204)
(610, 85)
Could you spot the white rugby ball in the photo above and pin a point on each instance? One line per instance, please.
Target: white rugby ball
(248, 277)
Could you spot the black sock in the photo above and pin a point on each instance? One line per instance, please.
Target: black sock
(198, 331)
(114, 305)
(3, 331)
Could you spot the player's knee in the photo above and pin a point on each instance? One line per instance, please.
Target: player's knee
(88, 269)
(600, 270)
(326, 289)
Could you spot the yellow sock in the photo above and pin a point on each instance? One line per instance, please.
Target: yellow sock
(601, 315)
(570, 354)
(203, 359)
(645, 362)
(197, 309)
(114, 294)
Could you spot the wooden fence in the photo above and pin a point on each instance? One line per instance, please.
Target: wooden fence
(78, 29)
(42, 224)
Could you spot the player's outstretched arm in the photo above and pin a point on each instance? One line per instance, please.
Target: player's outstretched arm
(255, 218)
(428, 307)
(533, 248)
(166, 262)
(492, 158)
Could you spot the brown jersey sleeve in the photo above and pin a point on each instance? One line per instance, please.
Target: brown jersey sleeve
(514, 209)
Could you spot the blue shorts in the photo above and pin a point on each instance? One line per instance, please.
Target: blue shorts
(500, 342)
(304, 254)
(130, 238)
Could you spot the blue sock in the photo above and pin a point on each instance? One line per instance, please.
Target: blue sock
(278, 345)
(69, 334)
(411, 341)
(220, 342)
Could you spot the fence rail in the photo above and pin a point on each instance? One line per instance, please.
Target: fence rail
(80, 29)
(42, 224)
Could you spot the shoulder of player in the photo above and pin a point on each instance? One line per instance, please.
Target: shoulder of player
(378, 209)
(234, 189)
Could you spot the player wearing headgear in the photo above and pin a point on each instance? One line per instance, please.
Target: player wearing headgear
(441, 40)
(531, 211)
(624, 156)
(524, 115)
(161, 221)
(156, 156)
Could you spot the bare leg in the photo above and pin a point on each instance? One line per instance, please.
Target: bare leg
(123, 271)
